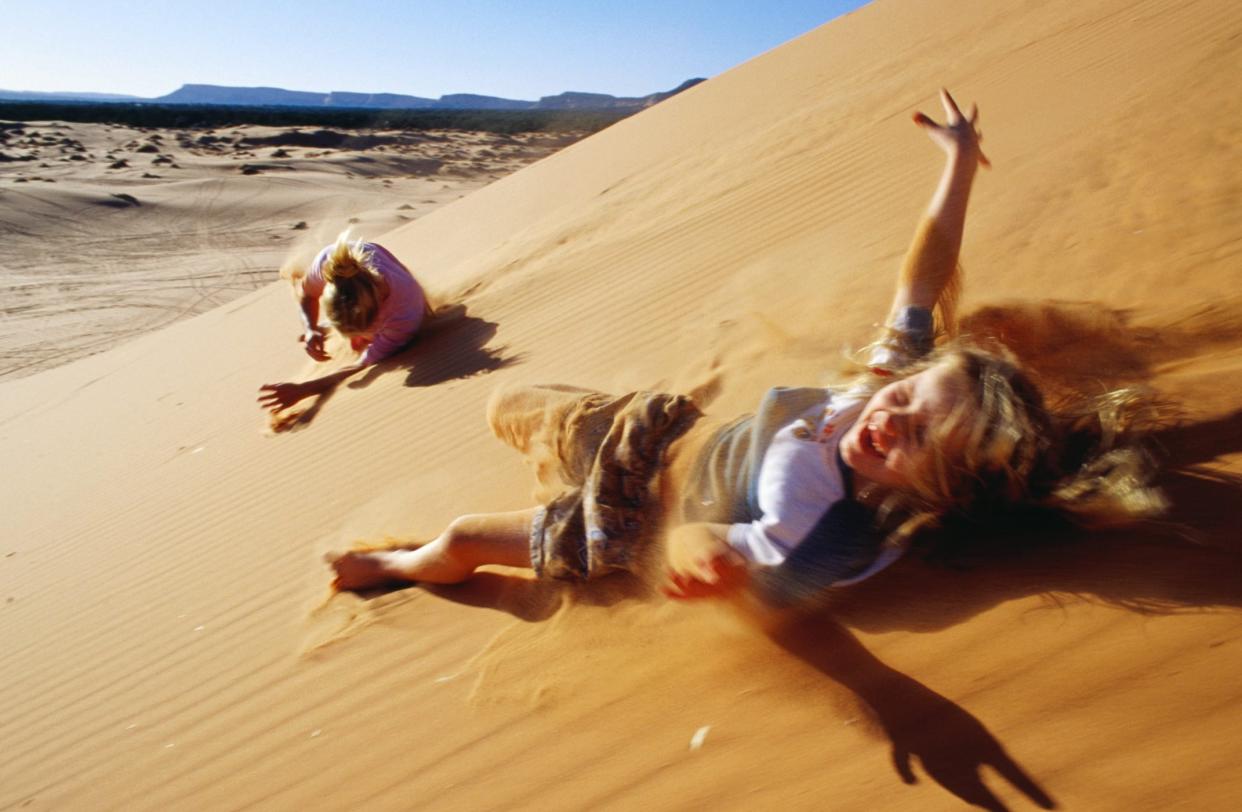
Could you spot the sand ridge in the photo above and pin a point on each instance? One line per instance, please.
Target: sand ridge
(168, 644)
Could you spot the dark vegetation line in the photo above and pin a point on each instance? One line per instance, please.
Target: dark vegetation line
(211, 115)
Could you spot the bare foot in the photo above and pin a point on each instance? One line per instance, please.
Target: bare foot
(359, 569)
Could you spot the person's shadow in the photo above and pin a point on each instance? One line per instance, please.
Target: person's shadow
(452, 345)
(951, 744)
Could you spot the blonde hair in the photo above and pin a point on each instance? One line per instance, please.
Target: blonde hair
(353, 291)
(1084, 459)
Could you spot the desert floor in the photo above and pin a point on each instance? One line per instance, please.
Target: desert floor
(112, 231)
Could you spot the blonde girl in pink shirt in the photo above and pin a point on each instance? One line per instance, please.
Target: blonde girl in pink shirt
(368, 296)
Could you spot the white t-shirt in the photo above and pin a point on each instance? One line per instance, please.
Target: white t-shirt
(801, 475)
(779, 480)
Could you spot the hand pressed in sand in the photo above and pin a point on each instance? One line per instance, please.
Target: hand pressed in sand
(701, 564)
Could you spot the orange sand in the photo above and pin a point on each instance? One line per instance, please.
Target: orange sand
(166, 644)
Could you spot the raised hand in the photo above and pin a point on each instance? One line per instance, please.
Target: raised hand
(959, 135)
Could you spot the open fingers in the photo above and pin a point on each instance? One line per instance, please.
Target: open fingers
(705, 571)
(686, 587)
(951, 111)
(712, 578)
(272, 396)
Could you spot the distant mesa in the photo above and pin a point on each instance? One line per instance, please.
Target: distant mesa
(278, 97)
(34, 95)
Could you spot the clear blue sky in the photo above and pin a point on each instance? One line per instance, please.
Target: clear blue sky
(513, 48)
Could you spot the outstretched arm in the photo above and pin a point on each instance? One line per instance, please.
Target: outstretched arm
(929, 273)
(277, 396)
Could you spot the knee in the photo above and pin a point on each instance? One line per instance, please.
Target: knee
(461, 538)
(468, 543)
(456, 536)
(455, 548)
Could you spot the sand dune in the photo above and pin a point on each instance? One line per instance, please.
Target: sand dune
(168, 637)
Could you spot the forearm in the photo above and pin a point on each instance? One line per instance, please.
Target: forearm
(931, 261)
(317, 386)
(309, 307)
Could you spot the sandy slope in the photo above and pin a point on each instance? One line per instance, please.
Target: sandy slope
(166, 642)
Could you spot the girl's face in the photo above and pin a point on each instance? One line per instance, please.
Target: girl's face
(891, 442)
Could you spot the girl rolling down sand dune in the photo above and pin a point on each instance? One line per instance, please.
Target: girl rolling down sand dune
(369, 296)
(820, 487)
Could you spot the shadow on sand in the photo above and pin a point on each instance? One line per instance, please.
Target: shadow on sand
(452, 345)
(948, 741)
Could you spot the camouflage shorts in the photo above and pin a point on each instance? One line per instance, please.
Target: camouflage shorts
(610, 450)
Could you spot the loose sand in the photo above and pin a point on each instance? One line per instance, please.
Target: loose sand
(167, 637)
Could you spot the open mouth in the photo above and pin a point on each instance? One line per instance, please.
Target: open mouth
(873, 442)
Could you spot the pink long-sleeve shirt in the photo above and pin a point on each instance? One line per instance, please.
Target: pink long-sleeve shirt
(401, 313)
